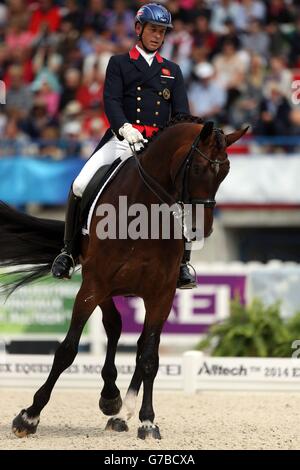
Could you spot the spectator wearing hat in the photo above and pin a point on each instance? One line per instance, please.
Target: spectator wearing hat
(206, 97)
(71, 139)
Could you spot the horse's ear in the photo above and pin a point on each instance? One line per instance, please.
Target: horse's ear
(236, 135)
(206, 130)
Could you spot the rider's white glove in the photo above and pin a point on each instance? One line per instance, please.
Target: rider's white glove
(132, 135)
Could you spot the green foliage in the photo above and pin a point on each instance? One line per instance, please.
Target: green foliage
(252, 331)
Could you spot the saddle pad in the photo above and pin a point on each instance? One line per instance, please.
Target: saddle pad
(99, 182)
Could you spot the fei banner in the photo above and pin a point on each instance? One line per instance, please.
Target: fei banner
(45, 308)
(30, 180)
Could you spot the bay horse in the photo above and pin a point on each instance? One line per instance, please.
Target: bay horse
(187, 160)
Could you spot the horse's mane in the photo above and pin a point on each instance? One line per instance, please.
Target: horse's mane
(179, 118)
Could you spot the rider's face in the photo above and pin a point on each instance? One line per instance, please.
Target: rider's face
(153, 35)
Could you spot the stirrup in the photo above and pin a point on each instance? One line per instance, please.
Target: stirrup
(68, 255)
(193, 283)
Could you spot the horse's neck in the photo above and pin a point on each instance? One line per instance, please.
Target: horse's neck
(158, 157)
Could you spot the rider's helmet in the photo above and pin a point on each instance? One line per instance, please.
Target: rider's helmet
(155, 14)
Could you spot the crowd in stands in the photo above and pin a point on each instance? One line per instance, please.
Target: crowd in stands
(239, 58)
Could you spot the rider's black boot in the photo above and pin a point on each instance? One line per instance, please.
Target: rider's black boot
(186, 280)
(65, 261)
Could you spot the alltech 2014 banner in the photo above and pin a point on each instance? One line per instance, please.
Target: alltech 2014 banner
(46, 306)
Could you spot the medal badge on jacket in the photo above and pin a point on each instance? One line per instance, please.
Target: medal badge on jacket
(165, 73)
(166, 93)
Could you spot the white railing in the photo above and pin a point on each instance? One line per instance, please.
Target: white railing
(189, 373)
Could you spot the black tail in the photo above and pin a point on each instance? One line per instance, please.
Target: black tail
(27, 240)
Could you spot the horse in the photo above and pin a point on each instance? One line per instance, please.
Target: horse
(184, 162)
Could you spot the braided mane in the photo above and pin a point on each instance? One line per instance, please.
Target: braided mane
(179, 118)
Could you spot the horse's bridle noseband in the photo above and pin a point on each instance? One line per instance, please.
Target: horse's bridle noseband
(163, 195)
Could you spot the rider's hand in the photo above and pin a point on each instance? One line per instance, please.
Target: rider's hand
(132, 135)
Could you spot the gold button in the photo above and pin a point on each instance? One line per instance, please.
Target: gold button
(139, 98)
(154, 125)
(138, 110)
(157, 102)
(156, 113)
(138, 88)
(137, 121)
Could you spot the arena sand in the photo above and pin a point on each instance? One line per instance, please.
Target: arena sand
(206, 420)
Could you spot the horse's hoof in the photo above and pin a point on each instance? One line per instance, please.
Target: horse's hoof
(116, 424)
(22, 426)
(110, 407)
(148, 431)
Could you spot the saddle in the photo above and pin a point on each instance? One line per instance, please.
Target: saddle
(101, 179)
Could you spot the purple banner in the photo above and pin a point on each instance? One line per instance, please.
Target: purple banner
(193, 310)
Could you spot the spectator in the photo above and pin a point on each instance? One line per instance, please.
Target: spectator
(97, 15)
(278, 12)
(45, 19)
(17, 35)
(19, 97)
(294, 41)
(121, 15)
(71, 139)
(278, 41)
(73, 15)
(13, 142)
(72, 78)
(49, 146)
(91, 91)
(34, 124)
(245, 108)
(231, 66)
(45, 91)
(207, 98)
(251, 9)
(255, 39)
(274, 113)
(280, 74)
(202, 35)
(223, 11)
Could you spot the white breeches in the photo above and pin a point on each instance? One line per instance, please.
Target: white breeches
(113, 149)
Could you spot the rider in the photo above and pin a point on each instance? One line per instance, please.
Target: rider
(141, 92)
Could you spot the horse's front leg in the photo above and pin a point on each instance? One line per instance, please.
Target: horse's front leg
(28, 419)
(147, 362)
(157, 311)
(119, 422)
(110, 400)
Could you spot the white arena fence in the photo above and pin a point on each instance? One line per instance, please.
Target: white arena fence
(189, 373)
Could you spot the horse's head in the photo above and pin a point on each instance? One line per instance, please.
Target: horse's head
(204, 167)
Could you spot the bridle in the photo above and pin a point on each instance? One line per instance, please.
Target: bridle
(163, 195)
(215, 163)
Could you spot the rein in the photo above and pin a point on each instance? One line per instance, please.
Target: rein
(162, 194)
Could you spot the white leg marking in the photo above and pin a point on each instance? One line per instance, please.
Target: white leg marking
(147, 424)
(128, 406)
(31, 421)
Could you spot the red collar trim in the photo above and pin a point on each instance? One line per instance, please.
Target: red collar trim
(159, 58)
(134, 55)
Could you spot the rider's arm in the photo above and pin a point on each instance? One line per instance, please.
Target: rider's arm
(114, 94)
(179, 100)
